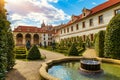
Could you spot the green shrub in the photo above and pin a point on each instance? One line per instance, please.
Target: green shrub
(11, 53)
(20, 52)
(81, 50)
(21, 56)
(88, 44)
(73, 51)
(94, 38)
(80, 41)
(4, 46)
(99, 43)
(34, 53)
(112, 38)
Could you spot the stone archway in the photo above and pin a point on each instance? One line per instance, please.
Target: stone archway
(36, 39)
(19, 39)
(27, 38)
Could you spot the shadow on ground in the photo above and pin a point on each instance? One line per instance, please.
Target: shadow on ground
(14, 75)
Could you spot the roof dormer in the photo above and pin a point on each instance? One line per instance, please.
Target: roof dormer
(85, 12)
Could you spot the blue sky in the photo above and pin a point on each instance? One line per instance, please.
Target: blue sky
(53, 12)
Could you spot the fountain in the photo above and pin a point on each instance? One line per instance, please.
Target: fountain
(85, 69)
(90, 66)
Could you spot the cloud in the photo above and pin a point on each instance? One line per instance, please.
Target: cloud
(94, 3)
(34, 11)
(55, 1)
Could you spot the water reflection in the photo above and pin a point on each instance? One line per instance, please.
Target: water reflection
(70, 71)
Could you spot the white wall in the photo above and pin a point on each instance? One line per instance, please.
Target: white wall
(107, 16)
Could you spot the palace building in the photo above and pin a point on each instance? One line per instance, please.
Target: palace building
(91, 21)
(43, 35)
(88, 23)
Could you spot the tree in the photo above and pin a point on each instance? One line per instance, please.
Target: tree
(34, 53)
(112, 38)
(99, 43)
(88, 44)
(4, 42)
(80, 41)
(73, 50)
(11, 54)
(3, 52)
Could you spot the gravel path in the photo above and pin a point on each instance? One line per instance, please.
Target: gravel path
(28, 70)
(90, 53)
(51, 55)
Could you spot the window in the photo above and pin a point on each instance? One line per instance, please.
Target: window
(117, 11)
(64, 30)
(77, 26)
(83, 24)
(44, 34)
(67, 29)
(91, 22)
(91, 35)
(100, 19)
(61, 31)
(83, 14)
(71, 28)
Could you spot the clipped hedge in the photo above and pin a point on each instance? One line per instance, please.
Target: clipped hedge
(34, 53)
(81, 50)
(20, 53)
(112, 38)
(99, 43)
(73, 51)
(88, 43)
(21, 56)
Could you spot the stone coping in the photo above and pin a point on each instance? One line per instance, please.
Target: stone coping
(43, 70)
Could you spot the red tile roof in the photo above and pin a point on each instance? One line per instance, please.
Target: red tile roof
(31, 29)
(97, 9)
(104, 6)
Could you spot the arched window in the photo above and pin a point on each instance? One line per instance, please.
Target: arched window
(28, 37)
(36, 38)
(19, 39)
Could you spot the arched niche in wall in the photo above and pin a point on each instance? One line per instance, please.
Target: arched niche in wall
(28, 37)
(19, 39)
(36, 39)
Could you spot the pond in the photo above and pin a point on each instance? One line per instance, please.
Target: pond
(71, 71)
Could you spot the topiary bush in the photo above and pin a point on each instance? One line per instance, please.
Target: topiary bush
(34, 53)
(99, 43)
(73, 51)
(11, 52)
(20, 52)
(112, 38)
(88, 43)
(6, 57)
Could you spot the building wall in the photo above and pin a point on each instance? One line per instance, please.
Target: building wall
(107, 16)
(43, 37)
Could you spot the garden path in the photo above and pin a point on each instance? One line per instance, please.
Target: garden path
(90, 53)
(29, 70)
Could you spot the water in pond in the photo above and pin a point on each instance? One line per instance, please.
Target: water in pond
(70, 71)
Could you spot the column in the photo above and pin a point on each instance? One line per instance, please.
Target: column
(24, 40)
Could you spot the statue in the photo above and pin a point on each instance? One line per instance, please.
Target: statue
(28, 45)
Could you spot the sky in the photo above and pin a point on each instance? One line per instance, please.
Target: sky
(52, 12)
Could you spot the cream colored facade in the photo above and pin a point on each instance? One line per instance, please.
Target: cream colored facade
(74, 27)
(89, 30)
(21, 38)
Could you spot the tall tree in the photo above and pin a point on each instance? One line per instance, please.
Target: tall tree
(112, 38)
(4, 47)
